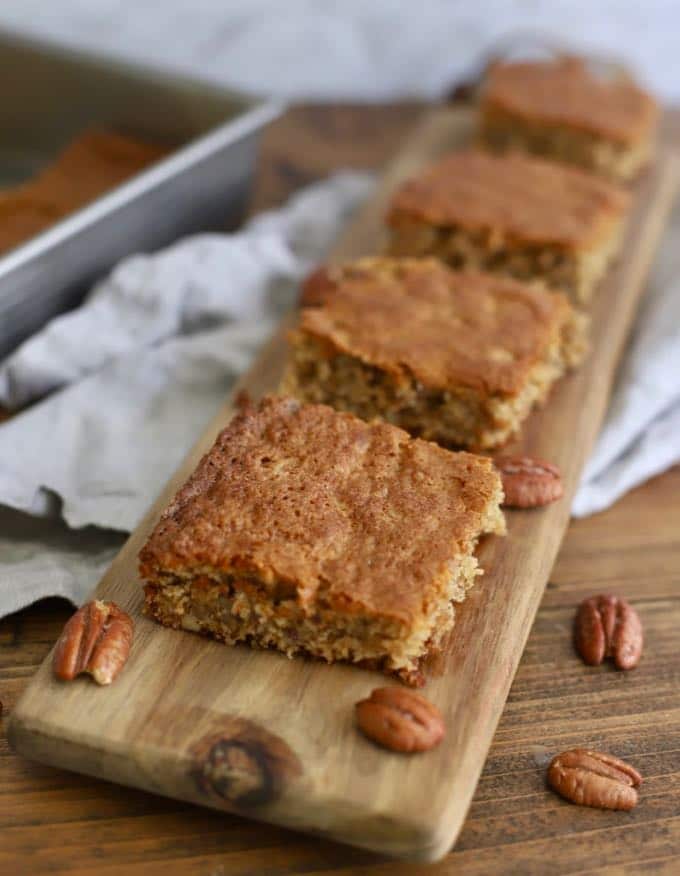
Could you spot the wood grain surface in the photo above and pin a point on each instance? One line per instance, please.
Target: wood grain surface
(513, 822)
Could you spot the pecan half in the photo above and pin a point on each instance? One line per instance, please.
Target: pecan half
(527, 482)
(608, 626)
(96, 640)
(400, 719)
(591, 778)
(316, 288)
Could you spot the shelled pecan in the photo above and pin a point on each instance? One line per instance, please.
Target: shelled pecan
(527, 482)
(591, 778)
(96, 640)
(608, 626)
(400, 719)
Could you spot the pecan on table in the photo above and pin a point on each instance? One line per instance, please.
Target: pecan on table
(591, 778)
(608, 626)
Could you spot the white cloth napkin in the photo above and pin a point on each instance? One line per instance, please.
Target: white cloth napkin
(641, 435)
(136, 372)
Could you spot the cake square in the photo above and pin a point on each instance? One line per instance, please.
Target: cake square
(516, 215)
(93, 164)
(454, 357)
(564, 109)
(312, 532)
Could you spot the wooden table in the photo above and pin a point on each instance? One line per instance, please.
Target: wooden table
(51, 821)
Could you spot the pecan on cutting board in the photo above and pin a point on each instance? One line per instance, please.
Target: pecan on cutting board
(527, 482)
(401, 720)
(96, 640)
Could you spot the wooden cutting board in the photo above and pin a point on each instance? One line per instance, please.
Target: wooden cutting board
(273, 739)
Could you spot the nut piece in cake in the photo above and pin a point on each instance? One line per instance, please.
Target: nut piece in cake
(455, 357)
(313, 532)
(515, 215)
(565, 110)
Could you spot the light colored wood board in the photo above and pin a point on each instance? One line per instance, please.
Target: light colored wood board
(292, 721)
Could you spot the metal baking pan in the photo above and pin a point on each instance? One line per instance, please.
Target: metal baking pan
(50, 96)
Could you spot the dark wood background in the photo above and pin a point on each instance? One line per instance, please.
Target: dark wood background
(57, 822)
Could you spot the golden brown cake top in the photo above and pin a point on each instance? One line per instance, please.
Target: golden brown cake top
(92, 164)
(515, 199)
(336, 512)
(567, 92)
(95, 162)
(418, 319)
